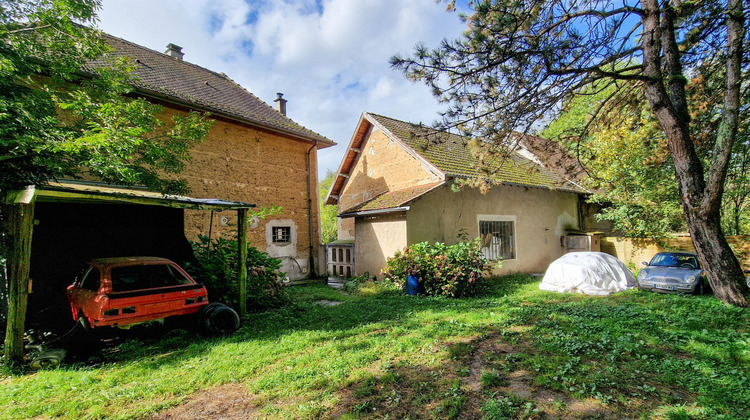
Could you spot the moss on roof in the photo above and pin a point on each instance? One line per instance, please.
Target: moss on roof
(452, 155)
(394, 199)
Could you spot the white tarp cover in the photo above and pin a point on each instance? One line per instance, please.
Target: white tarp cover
(591, 273)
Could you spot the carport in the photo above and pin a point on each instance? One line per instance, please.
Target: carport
(54, 229)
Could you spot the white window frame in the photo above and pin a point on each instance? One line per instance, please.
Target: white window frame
(500, 218)
(281, 249)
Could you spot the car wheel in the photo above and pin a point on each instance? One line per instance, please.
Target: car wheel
(204, 312)
(699, 288)
(220, 319)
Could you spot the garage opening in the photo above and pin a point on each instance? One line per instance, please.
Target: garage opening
(56, 228)
(67, 235)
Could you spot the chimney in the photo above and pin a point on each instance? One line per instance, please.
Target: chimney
(280, 103)
(174, 51)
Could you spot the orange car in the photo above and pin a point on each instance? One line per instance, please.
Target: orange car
(121, 292)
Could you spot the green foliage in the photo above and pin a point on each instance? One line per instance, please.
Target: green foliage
(218, 266)
(57, 120)
(630, 169)
(625, 155)
(736, 206)
(625, 356)
(490, 380)
(509, 407)
(328, 219)
(456, 270)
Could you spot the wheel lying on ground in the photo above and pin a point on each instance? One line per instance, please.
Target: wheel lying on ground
(219, 319)
(48, 359)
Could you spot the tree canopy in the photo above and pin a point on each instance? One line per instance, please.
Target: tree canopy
(520, 60)
(60, 116)
(328, 213)
(630, 170)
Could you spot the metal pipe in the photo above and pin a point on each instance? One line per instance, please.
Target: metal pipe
(311, 260)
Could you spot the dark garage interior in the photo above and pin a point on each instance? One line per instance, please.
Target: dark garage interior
(67, 235)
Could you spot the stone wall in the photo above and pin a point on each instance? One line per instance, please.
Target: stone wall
(383, 166)
(240, 163)
(634, 251)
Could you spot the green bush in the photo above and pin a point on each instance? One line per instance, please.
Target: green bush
(217, 269)
(455, 270)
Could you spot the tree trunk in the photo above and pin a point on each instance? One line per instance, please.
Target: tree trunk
(701, 200)
(20, 224)
(719, 262)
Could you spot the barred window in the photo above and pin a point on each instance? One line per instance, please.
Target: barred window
(281, 234)
(498, 239)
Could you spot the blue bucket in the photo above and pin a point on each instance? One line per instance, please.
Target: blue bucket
(413, 286)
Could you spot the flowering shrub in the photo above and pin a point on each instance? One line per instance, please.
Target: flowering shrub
(455, 270)
(217, 269)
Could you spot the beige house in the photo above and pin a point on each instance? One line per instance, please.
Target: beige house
(396, 187)
(254, 153)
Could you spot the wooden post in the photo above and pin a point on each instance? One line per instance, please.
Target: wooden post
(20, 227)
(242, 257)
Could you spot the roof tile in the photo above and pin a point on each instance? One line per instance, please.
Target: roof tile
(452, 155)
(394, 199)
(183, 81)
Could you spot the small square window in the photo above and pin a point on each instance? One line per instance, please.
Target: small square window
(281, 234)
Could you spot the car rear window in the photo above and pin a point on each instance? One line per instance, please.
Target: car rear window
(137, 277)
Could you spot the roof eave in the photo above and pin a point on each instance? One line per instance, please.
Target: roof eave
(90, 193)
(374, 212)
(181, 102)
(332, 198)
(518, 184)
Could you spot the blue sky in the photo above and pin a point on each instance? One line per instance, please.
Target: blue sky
(328, 57)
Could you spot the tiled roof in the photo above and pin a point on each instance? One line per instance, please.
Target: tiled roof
(393, 199)
(173, 79)
(451, 154)
(555, 157)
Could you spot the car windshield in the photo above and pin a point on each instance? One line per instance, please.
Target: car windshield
(137, 277)
(675, 260)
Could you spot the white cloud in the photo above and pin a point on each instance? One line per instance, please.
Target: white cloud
(328, 57)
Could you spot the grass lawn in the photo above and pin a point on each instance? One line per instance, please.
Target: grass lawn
(515, 352)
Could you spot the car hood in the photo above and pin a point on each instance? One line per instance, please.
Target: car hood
(671, 272)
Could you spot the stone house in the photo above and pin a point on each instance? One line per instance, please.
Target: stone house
(396, 186)
(253, 153)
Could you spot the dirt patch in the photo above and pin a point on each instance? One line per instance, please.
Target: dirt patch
(479, 371)
(225, 402)
(520, 385)
(327, 302)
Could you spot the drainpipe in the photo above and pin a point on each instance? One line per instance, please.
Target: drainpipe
(311, 261)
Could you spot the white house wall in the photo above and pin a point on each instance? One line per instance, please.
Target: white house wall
(541, 217)
(378, 237)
